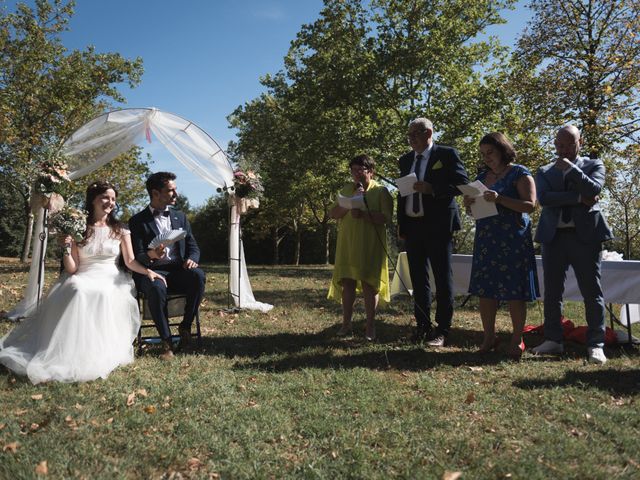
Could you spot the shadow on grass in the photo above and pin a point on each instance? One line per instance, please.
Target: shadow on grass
(617, 382)
(324, 350)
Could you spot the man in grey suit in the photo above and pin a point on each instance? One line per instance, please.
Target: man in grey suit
(571, 230)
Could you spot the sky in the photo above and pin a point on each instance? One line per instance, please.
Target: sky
(204, 58)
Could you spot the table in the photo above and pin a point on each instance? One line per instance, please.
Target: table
(620, 282)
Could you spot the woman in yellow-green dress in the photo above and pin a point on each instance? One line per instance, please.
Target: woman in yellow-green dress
(361, 251)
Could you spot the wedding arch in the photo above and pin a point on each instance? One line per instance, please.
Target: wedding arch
(104, 138)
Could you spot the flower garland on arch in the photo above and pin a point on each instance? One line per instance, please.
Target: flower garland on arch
(247, 190)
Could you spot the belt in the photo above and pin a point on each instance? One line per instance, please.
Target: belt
(567, 230)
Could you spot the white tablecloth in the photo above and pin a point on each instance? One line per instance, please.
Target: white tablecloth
(620, 279)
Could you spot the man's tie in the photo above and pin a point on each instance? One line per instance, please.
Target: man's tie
(416, 196)
(157, 213)
(566, 210)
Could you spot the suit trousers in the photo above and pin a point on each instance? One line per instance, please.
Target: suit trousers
(423, 249)
(179, 280)
(566, 249)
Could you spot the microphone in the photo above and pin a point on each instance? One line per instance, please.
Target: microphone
(360, 188)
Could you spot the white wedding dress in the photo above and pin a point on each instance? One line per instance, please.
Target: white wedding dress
(85, 327)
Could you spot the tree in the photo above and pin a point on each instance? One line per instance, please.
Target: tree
(353, 79)
(47, 92)
(624, 201)
(581, 64)
(128, 173)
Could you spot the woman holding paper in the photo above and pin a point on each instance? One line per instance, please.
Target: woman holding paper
(361, 250)
(86, 326)
(504, 265)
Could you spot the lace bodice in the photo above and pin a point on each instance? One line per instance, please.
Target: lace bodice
(102, 245)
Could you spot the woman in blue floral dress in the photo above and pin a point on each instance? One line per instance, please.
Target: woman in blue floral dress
(504, 265)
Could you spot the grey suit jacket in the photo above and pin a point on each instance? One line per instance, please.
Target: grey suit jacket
(586, 178)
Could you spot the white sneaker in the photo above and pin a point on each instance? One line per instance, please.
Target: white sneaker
(596, 355)
(548, 346)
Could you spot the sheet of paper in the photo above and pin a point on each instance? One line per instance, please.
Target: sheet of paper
(473, 189)
(480, 208)
(405, 184)
(357, 201)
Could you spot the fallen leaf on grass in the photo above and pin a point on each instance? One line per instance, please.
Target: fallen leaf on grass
(110, 420)
(34, 426)
(2, 425)
(142, 392)
(150, 409)
(475, 369)
(471, 397)
(252, 404)
(451, 475)
(78, 406)
(11, 447)
(194, 464)
(19, 413)
(42, 469)
(131, 399)
(36, 397)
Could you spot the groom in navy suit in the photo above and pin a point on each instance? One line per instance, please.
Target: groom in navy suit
(571, 230)
(177, 262)
(426, 221)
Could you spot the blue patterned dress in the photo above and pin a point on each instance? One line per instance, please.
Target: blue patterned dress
(504, 264)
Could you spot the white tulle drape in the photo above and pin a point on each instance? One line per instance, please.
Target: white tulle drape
(107, 136)
(238, 278)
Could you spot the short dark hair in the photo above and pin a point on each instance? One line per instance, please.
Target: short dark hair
(502, 143)
(363, 161)
(158, 180)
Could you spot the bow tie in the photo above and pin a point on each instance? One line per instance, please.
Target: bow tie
(157, 213)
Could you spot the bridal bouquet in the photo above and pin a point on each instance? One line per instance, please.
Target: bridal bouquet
(247, 184)
(69, 221)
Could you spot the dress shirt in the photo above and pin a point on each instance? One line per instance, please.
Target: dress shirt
(570, 223)
(420, 175)
(163, 222)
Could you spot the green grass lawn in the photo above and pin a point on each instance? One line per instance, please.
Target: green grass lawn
(277, 395)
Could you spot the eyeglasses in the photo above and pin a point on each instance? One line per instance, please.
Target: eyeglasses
(411, 135)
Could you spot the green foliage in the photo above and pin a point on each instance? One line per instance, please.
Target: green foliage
(47, 92)
(210, 227)
(582, 61)
(623, 202)
(352, 80)
(128, 173)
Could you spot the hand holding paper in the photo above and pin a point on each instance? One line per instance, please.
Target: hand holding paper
(405, 184)
(480, 208)
(357, 201)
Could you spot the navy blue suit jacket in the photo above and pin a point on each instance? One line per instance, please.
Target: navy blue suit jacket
(144, 229)
(444, 171)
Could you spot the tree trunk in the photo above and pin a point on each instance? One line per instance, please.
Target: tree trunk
(28, 232)
(275, 243)
(298, 245)
(327, 238)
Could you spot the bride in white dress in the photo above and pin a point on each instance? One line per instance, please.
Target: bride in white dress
(86, 326)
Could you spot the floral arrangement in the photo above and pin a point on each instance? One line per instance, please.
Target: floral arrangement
(52, 179)
(247, 184)
(69, 221)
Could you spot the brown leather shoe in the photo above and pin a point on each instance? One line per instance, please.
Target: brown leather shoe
(167, 350)
(185, 336)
